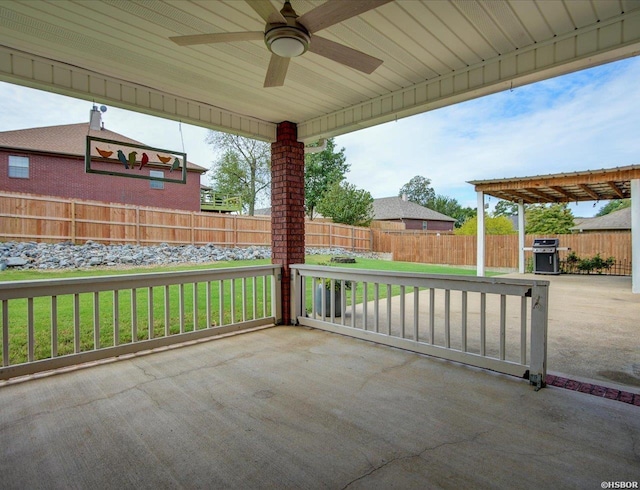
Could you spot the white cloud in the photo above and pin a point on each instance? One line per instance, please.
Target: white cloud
(581, 121)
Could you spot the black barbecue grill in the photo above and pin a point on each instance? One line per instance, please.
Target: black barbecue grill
(545, 256)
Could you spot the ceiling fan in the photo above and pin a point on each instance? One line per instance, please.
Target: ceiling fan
(288, 35)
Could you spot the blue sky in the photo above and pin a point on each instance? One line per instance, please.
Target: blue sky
(582, 121)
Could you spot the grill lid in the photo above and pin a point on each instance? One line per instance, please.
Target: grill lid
(546, 242)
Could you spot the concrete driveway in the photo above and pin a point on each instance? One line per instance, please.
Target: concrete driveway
(594, 329)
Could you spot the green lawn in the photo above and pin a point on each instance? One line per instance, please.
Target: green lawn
(138, 327)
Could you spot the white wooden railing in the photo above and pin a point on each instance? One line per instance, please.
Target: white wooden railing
(48, 324)
(493, 323)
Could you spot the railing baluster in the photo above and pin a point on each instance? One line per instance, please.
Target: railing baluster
(167, 311)
(388, 309)
(244, 299)
(416, 314)
(134, 315)
(54, 326)
(432, 315)
(343, 301)
(447, 318)
(503, 326)
(376, 307)
(30, 330)
(483, 324)
(150, 314)
(96, 320)
(402, 312)
(181, 306)
(255, 298)
(365, 296)
(464, 321)
(233, 300)
(76, 323)
(523, 330)
(195, 306)
(221, 302)
(314, 305)
(323, 299)
(5, 332)
(116, 317)
(265, 285)
(332, 300)
(208, 303)
(354, 286)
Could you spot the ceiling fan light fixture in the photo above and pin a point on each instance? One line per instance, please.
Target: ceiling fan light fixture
(287, 41)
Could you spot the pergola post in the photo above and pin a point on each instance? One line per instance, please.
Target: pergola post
(480, 245)
(287, 208)
(521, 236)
(635, 236)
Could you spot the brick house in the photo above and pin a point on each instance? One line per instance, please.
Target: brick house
(50, 161)
(415, 217)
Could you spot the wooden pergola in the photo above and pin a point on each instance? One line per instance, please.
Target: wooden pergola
(589, 185)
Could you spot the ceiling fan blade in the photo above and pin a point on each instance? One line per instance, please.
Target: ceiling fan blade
(343, 54)
(267, 11)
(277, 71)
(334, 11)
(220, 37)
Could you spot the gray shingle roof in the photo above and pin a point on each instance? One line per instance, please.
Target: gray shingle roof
(67, 139)
(388, 208)
(618, 220)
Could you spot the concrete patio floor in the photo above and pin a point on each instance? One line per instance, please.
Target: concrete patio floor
(290, 407)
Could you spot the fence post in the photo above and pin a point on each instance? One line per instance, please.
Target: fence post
(235, 231)
(137, 225)
(73, 222)
(539, 320)
(192, 226)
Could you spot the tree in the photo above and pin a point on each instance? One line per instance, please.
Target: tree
(243, 169)
(418, 190)
(321, 171)
(345, 204)
(541, 219)
(505, 208)
(452, 208)
(614, 205)
(500, 225)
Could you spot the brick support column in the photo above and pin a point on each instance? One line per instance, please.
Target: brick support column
(287, 207)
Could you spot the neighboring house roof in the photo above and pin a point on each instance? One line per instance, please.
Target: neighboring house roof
(618, 220)
(68, 139)
(262, 212)
(393, 208)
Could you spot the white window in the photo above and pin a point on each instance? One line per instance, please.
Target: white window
(156, 184)
(425, 225)
(18, 167)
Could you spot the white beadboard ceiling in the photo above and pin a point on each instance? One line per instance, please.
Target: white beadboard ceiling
(434, 52)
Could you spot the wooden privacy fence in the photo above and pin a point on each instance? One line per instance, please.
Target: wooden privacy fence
(25, 217)
(501, 250)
